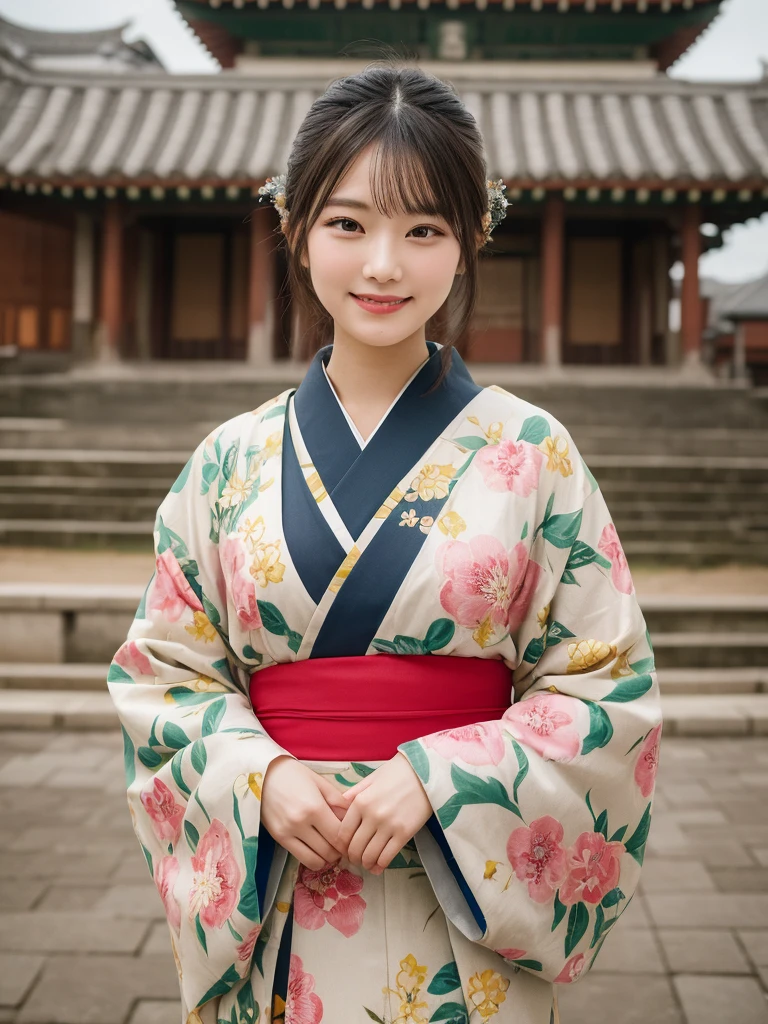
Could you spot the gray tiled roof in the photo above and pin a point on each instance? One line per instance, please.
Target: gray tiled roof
(233, 127)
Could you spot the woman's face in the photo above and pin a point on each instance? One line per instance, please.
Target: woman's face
(354, 251)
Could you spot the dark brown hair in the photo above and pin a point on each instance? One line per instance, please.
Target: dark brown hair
(429, 159)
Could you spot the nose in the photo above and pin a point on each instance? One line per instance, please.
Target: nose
(382, 262)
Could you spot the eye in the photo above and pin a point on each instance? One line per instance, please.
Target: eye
(426, 227)
(344, 220)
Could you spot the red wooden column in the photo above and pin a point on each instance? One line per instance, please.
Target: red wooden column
(690, 300)
(552, 272)
(261, 287)
(111, 297)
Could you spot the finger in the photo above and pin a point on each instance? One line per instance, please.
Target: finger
(304, 854)
(384, 859)
(316, 841)
(331, 794)
(349, 826)
(360, 840)
(351, 793)
(375, 848)
(328, 825)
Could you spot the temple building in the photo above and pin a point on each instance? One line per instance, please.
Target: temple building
(128, 224)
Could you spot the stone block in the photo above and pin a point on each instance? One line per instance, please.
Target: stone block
(756, 945)
(740, 879)
(698, 950)
(68, 897)
(707, 910)
(660, 875)
(17, 974)
(136, 901)
(53, 931)
(630, 952)
(16, 895)
(97, 989)
(714, 999)
(619, 999)
(156, 1012)
(32, 636)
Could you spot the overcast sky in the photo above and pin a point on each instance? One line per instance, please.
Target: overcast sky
(731, 49)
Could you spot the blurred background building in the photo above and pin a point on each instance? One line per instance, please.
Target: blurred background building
(128, 228)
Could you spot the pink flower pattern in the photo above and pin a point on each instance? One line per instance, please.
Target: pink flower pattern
(166, 873)
(610, 545)
(510, 466)
(241, 587)
(648, 761)
(166, 815)
(303, 1005)
(593, 869)
(478, 744)
(572, 970)
(245, 949)
(330, 896)
(171, 594)
(546, 724)
(484, 580)
(538, 857)
(130, 657)
(216, 884)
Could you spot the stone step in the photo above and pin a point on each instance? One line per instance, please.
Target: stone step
(85, 624)
(637, 468)
(734, 519)
(654, 494)
(87, 676)
(588, 395)
(666, 547)
(689, 681)
(697, 715)
(592, 440)
(710, 650)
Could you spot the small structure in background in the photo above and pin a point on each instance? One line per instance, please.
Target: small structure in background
(128, 228)
(100, 51)
(737, 328)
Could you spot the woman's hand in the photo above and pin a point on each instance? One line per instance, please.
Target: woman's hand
(301, 810)
(385, 810)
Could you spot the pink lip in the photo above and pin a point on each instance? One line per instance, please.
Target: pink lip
(376, 306)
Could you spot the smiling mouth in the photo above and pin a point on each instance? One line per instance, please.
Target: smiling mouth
(380, 302)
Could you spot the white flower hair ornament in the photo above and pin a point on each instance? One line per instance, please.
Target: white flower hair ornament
(273, 191)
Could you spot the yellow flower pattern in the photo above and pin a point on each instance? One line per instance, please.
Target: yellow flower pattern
(202, 629)
(408, 982)
(431, 482)
(556, 449)
(451, 524)
(589, 654)
(267, 567)
(486, 991)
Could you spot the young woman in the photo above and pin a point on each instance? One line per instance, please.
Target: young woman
(390, 713)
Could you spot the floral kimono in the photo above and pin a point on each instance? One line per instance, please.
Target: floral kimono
(467, 527)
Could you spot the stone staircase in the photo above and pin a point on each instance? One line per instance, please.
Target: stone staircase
(57, 642)
(697, 497)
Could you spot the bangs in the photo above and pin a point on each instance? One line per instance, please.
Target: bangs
(404, 179)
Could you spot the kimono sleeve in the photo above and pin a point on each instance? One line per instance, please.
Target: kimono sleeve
(544, 822)
(195, 753)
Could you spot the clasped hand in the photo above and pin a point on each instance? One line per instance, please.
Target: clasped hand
(367, 823)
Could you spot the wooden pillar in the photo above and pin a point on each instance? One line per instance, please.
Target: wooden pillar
(552, 273)
(261, 289)
(111, 298)
(690, 300)
(82, 287)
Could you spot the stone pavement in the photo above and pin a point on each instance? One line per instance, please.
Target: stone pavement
(83, 938)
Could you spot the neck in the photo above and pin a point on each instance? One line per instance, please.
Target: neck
(369, 375)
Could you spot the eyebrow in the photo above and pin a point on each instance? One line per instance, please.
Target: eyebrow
(358, 204)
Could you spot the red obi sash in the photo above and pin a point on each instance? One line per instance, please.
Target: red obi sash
(361, 708)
